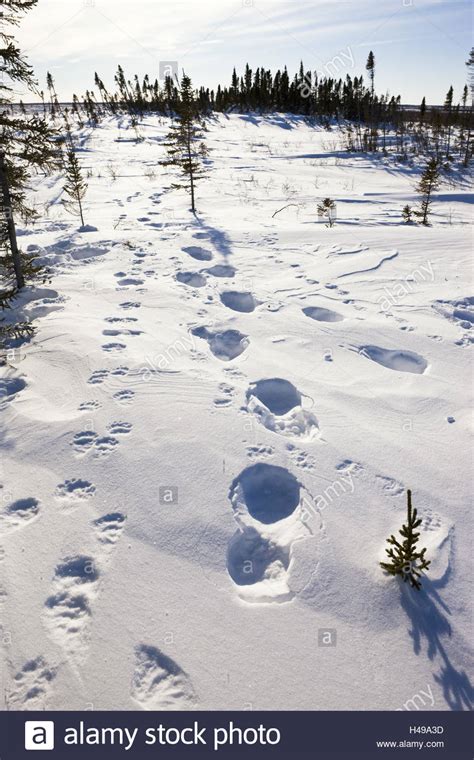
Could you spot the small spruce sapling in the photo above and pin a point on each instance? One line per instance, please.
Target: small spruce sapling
(405, 559)
(327, 210)
(186, 149)
(407, 214)
(75, 187)
(429, 183)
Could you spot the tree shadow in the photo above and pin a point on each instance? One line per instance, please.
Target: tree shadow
(219, 239)
(429, 619)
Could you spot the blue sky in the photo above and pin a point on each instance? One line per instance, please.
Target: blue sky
(420, 45)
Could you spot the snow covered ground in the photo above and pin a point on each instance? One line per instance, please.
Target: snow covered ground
(209, 438)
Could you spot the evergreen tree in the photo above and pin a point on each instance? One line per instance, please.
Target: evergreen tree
(429, 182)
(370, 67)
(53, 98)
(407, 214)
(327, 210)
(75, 187)
(185, 147)
(368, 117)
(27, 143)
(470, 68)
(405, 559)
(423, 111)
(448, 107)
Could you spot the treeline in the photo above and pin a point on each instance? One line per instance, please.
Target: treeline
(370, 122)
(305, 93)
(260, 90)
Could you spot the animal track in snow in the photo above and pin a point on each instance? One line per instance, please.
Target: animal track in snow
(279, 396)
(9, 388)
(228, 392)
(225, 345)
(109, 528)
(268, 503)
(19, 514)
(221, 270)
(159, 683)
(259, 567)
(201, 254)
(390, 486)
(101, 375)
(322, 315)
(197, 356)
(347, 465)
(243, 302)
(75, 491)
(32, 686)
(193, 279)
(234, 372)
(266, 492)
(67, 611)
(120, 320)
(119, 428)
(277, 404)
(431, 521)
(113, 347)
(127, 281)
(398, 360)
(117, 333)
(89, 406)
(104, 445)
(461, 312)
(301, 458)
(98, 376)
(84, 440)
(260, 451)
(101, 445)
(124, 397)
(130, 305)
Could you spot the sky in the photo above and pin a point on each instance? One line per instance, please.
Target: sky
(420, 46)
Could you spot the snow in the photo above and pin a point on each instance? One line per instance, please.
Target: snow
(208, 440)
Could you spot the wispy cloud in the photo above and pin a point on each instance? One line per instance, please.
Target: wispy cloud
(211, 36)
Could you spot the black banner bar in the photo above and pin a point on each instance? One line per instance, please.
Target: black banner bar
(279, 735)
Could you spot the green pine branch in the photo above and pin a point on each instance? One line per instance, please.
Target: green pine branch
(405, 559)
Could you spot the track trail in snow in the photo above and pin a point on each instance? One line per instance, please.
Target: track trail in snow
(250, 370)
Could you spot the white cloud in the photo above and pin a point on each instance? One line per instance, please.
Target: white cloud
(210, 37)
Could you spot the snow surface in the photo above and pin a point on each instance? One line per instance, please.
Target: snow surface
(209, 438)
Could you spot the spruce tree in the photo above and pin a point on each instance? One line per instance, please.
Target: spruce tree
(75, 187)
(370, 67)
(470, 68)
(405, 559)
(27, 143)
(448, 107)
(429, 182)
(327, 210)
(53, 98)
(422, 111)
(184, 143)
